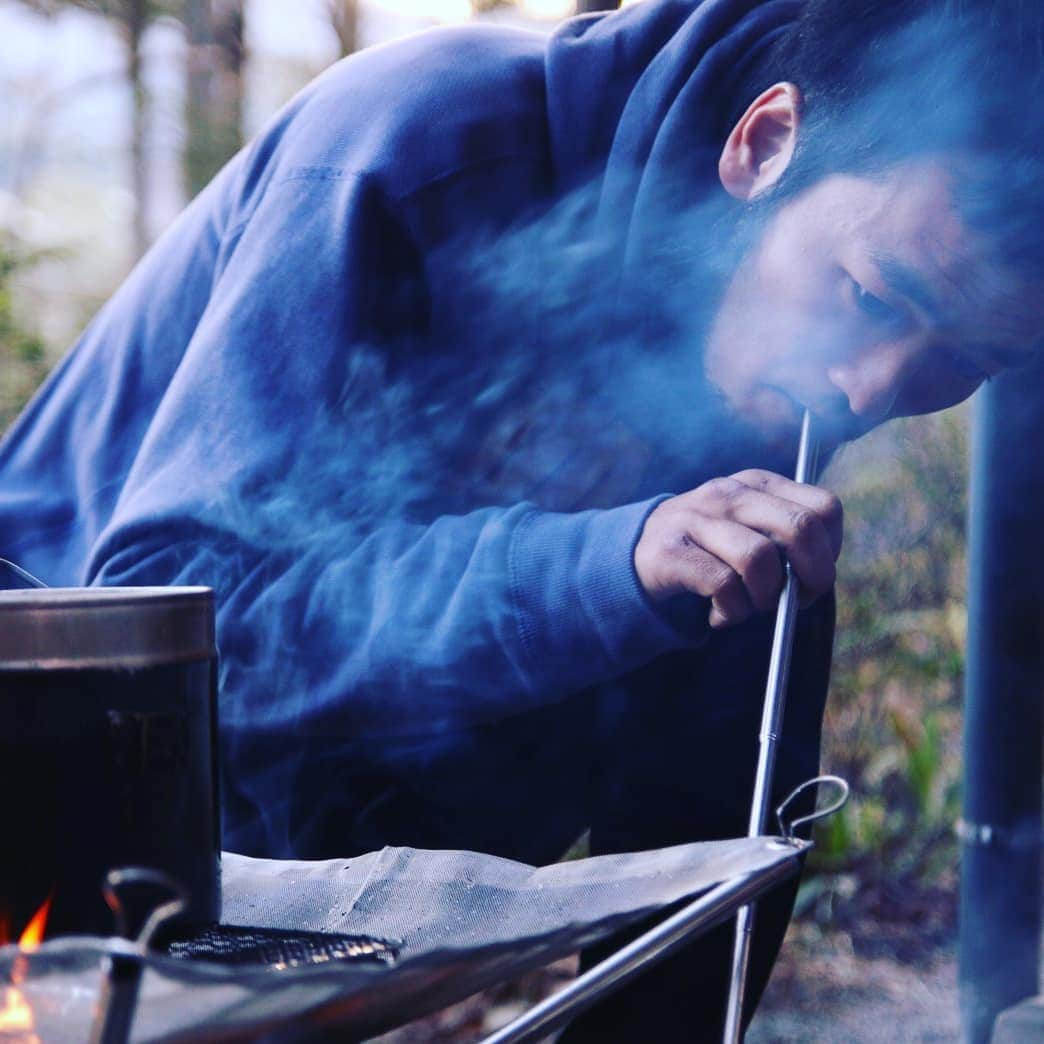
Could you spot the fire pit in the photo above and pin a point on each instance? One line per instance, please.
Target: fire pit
(107, 715)
(364, 944)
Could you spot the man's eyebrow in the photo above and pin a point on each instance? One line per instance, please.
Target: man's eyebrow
(903, 280)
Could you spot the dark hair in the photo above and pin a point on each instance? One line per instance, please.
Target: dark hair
(836, 51)
(888, 80)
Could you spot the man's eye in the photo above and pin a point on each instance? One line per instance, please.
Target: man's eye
(872, 306)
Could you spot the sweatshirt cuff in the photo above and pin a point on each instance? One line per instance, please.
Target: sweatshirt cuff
(582, 613)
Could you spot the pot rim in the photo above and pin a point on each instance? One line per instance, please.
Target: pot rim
(70, 628)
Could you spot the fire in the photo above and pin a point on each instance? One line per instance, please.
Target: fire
(33, 935)
(16, 1014)
(16, 1017)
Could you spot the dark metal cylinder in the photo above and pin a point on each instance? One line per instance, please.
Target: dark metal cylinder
(1000, 913)
(107, 749)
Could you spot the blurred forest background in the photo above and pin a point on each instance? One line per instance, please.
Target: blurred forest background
(118, 111)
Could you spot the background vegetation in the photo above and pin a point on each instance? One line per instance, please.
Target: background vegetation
(894, 713)
(23, 354)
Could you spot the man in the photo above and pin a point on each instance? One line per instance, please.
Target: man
(413, 382)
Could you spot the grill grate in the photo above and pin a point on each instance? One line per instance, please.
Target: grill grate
(278, 950)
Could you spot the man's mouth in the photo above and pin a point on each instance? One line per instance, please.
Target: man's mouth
(778, 414)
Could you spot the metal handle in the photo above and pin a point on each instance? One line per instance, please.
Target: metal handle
(788, 827)
(115, 880)
(114, 1016)
(22, 574)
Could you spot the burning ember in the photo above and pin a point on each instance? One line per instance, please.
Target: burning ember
(16, 1016)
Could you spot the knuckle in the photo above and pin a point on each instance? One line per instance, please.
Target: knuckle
(831, 509)
(756, 477)
(724, 584)
(805, 526)
(682, 544)
(720, 489)
(759, 559)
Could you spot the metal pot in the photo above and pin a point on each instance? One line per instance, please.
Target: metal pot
(108, 704)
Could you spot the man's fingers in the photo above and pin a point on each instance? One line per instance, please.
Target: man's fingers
(799, 532)
(801, 535)
(826, 505)
(704, 573)
(753, 557)
(670, 559)
(727, 541)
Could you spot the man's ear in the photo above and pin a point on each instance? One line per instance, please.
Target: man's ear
(761, 145)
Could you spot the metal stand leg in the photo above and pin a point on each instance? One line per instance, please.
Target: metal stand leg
(699, 916)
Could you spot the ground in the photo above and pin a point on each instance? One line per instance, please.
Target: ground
(829, 997)
(883, 970)
(825, 992)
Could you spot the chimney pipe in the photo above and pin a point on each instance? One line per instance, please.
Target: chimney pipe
(1000, 830)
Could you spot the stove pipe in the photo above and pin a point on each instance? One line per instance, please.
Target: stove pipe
(1000, 832)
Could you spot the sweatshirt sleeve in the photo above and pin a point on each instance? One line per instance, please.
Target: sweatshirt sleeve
(338, 615)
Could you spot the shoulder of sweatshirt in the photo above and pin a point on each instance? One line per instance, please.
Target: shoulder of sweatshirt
(409, 115)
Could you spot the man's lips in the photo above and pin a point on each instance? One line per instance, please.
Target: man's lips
(780, 412)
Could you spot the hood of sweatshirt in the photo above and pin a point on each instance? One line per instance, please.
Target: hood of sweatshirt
(639, 101)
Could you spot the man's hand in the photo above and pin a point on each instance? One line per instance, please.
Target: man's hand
(726, 540)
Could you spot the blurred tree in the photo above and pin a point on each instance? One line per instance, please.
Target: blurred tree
(132, 18)
(213, 87)
(344, 20)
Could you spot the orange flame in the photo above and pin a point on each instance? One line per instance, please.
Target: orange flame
(33, 935)
(16, 1014)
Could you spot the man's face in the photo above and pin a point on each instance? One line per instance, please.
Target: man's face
(866, 299)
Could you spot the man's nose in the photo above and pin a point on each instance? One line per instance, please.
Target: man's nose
(873, 379)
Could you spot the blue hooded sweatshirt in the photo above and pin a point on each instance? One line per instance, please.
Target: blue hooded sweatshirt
(385, 386)
(403, 385)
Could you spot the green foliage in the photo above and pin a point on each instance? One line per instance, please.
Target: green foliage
(23, 357)
(893, 720)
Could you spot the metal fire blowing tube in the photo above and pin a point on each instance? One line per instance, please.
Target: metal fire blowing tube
(771, 721)
(1000, 832)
